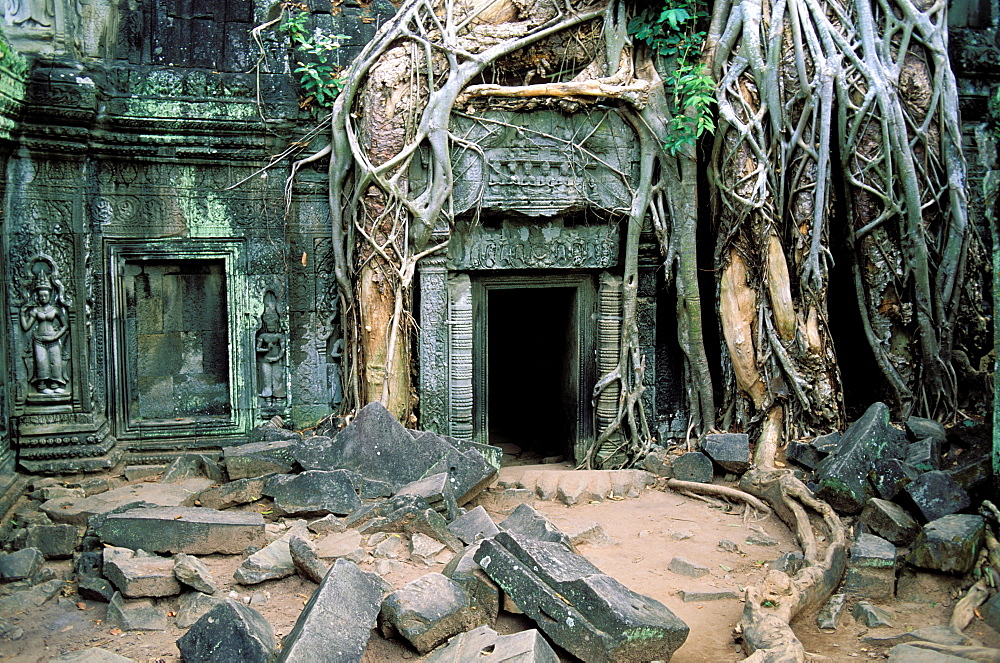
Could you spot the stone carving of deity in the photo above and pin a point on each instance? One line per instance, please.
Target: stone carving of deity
(270, 348)
(45, 321)
(29, 13)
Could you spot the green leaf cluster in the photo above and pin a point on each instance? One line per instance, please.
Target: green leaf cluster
(318, 73)
(672, 31)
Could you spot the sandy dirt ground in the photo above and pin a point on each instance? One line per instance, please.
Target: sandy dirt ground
(646, 533)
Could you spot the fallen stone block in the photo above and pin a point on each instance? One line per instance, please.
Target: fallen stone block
(313, 493)
(484, 645)
(192, 572)
(95, 589)
(427, 611)
(483, 593)
(140, 472)
(731, 451)
(404, 513)
(338, 619)
(229, 632)
(950, 543)
(589, 533)
(271, 562)
(842, 477)
(527, 523)
(192, 606)
(327, 525)
(891, 475)
(659, 463)
(686, 567)
(88, 564)
(377, 447)
(392, 546)
(827, 444)
(424, 549)
(871, 616)
(31, 598)
(491, 453)
(233, 493)
(273, 433)
(437, 492)
(925, 454)
(920, 428)
(587, 613)
(804, 454)
(192, 530)
(53, 541)
(693, 466)
(306, 562)
(871, 568)
(973, 474)
(260, 458)
(137, 573)
(139, 615)
(914, 654)
(473, 525)
(316, 452)
(21, 564)
(504, 500)
(936, 494)
(890, 521)
(190, 466)
(92, 655)
(78, 511)
(341, 545)
(829, 614)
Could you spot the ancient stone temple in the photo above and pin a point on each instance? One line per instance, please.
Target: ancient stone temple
(163, 291)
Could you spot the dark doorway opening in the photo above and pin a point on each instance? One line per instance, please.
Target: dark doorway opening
(532, 344)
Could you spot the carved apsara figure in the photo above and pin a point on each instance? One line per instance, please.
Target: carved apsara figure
(29, 13)
(45, 319)
(270, 348)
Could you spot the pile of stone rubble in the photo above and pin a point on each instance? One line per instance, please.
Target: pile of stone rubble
(372, 486)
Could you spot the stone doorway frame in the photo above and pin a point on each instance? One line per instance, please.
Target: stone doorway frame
(240, 344)
(583, 325)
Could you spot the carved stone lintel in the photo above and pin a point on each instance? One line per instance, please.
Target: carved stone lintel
(534, 246)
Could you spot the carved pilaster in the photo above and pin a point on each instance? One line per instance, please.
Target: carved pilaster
(609, 330)
(460, 391)
(433, 348)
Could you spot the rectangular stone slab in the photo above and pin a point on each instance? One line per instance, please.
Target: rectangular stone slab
(587, 613)
(77, 510)
(194, 530)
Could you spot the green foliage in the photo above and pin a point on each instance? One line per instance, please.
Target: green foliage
(318, 73)
(672, 33)
(994, 111)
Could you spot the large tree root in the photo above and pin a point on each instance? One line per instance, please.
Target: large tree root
(774, 603)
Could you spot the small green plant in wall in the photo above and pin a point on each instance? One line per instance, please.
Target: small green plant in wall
(671, 31)
(317, 71)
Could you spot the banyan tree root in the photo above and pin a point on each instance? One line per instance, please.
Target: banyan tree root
(775, 602)
(724, 492)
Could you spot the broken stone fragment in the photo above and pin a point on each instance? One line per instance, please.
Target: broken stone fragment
(686, 567)
(437, 490)
(925, 454)
(424, 549)
(936, 494)
(700, 596)
(138, 573)
(890, 521)
(404, 513)
(914, 654)
(659, 463)
(871, 569)
(271, 562)
(53, 541)
(341, 545)
(192, 530)
(427, 611)
(950, 544)
(484, 645)
(233, 493)
(829, 615)
(21, 564)
(189, 466)
(138, 615)
(891, 475)
(313, 493)
(229, 632)
(589, 533)
(871, 616)
(79, 511)
(582, 610)
(803, 453)
(306, 562)
(473, 525)
(260, 458)
(919, 428)
(28, 599)
(693, 466)
(484, 594)
(338, 619)
(92, 655)
(392, 546)
(88, 564)
(327, 525)
(842, 477)
(192, 572)
(731, 451)
(95, 589)
(192, 606)
(527, 523)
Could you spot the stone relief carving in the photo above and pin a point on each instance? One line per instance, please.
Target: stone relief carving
(518, 246)
(270, 348)
(44, 319)
(29, 13)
